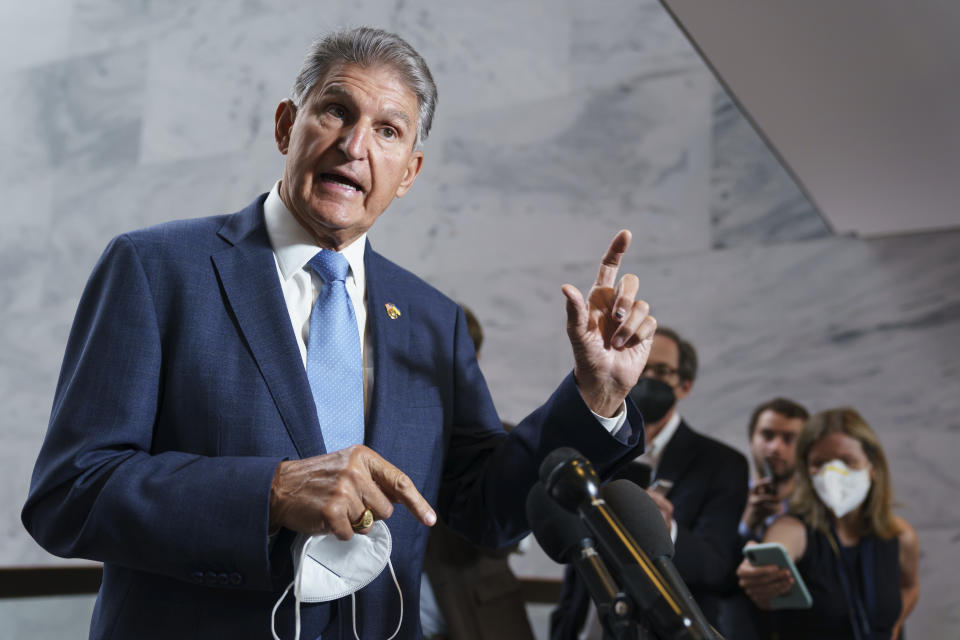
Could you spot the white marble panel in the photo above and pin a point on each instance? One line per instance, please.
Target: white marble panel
(523, 184)
(33, 33)
(609, 36)
(937, 614)
(75, 114)
(56, 618)
(106, 25)
(486, 55)
(754, 200)
(214, 86)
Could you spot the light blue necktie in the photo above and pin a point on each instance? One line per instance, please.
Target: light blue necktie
(334, 362)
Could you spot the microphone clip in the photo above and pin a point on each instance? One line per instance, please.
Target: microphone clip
(617, 617)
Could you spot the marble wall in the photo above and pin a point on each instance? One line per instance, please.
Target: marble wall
(559, 123)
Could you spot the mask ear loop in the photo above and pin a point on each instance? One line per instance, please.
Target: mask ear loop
(353, 606)
(273, 614)
(296, 597)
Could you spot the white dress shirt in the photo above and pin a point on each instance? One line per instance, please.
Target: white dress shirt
(654, 451)
(293, 248)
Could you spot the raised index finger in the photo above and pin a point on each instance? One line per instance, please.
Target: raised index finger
(607, 276)
(398, 487)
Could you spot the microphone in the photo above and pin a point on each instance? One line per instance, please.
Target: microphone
(642, 519)
(571, 480)
(641, 516)
(565, 539)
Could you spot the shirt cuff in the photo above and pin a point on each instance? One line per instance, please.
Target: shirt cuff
(673, 531)
(614, 424)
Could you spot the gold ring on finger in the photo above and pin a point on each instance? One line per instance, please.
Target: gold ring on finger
(366, 520)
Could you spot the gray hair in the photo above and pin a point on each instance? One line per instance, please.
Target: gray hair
(368, 47)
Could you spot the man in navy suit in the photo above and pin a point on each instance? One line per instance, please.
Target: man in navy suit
(184, 449)
(701, 493)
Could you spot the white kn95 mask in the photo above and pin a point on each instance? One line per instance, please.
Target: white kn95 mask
(326, 568)
(841, 488)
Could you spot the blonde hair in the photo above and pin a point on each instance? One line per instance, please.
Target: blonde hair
(876, 513)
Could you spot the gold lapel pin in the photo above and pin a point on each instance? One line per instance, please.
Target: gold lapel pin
(392, 310)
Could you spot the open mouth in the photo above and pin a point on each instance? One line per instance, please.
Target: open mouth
(341, 180)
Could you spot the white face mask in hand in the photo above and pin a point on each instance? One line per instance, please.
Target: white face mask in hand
(841, 488)
(325, 569)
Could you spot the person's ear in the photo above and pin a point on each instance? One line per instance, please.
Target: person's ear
(414, 165)
(283, 123)
(683, 389)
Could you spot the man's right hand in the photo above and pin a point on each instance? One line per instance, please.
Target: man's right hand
(761, 504)
(328, 493)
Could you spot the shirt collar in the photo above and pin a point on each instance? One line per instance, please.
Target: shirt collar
(660, 441)
(293, 246)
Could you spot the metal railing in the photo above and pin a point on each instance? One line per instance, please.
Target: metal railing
(37, 582)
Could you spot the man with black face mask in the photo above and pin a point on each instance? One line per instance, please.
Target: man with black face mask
(699, 484)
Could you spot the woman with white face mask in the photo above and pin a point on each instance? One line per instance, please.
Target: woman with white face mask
(858, 560)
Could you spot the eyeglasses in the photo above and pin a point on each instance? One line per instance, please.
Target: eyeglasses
(658, 371)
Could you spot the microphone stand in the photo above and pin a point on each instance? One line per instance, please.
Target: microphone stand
(572, 482)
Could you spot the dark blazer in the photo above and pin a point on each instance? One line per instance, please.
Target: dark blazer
(709, 494)
(476, 591)
(181, 390)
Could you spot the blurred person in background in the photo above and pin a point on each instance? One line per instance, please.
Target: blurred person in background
(858, 560)
(772, 433)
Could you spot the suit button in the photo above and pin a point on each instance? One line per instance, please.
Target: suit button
(210, 577)
(236, 578)
(223, 578)
(196, 577)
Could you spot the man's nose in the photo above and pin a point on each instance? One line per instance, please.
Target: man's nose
(779, 445)
(353, 142)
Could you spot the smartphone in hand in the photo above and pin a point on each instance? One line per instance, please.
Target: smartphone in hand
(771, 479)
(767, 553)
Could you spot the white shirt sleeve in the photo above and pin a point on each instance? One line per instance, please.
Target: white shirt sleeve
(614, 424)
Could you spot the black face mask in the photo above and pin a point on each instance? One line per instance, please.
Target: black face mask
(654, 398)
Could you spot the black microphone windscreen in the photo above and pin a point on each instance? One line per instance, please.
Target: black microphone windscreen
(558, 531)
(555, 460)
(637, 472)
(641, 517)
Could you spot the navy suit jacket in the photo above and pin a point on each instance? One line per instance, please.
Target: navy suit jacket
(709, 493)
(182, 389)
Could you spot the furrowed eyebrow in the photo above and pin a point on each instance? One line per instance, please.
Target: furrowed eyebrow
(394, 114)
(336, 90)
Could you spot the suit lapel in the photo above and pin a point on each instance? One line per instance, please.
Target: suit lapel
(248, 274)
(678, 455)
(389, 339)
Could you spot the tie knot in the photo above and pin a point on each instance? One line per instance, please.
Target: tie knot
(330, 265)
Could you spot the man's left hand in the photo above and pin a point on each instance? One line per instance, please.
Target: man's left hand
(762, 583)
(611, 333)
